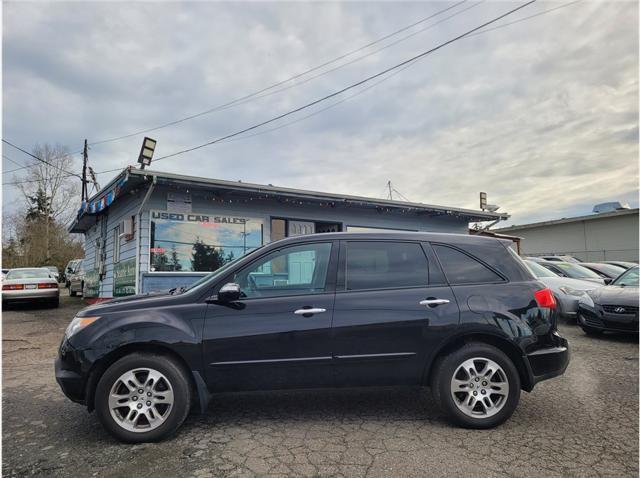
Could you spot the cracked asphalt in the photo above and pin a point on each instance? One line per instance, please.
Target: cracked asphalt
(582, 424)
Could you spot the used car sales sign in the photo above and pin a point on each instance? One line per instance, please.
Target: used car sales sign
(172, 216)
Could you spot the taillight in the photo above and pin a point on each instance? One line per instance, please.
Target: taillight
(47, 285)
(545, 299)
(13, 287)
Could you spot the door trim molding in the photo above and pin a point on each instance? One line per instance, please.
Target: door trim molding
(271, 361)
(375, 356)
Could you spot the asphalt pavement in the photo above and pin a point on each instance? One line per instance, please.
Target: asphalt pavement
(582, 424)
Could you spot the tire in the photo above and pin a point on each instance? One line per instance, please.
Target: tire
(54, 303)
(173, 378)
(591, 331)
(505, 401)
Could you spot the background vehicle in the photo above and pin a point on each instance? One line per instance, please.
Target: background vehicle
(30, 285)
(613, 307)
(561, 258)
(624, 264)
(4, 272)
(326, 310)
(69, 270)
(566, 290)
(54, 272)
(606, 271)
(574, 271)
(76, 279)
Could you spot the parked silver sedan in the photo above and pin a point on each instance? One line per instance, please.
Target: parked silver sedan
(34, 284)
(566, 290)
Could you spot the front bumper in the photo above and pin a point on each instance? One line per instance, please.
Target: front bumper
(598, 319)
(548, 362)
(69, 373)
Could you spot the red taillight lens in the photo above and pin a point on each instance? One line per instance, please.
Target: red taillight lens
(545, 299)
(13, 287)
(47, 286)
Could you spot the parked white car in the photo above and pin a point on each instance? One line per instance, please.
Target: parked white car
(30, 284)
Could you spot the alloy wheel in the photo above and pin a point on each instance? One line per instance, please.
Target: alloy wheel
(140, 400)
(479, 387)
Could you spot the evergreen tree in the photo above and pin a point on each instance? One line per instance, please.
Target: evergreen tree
(205, 257)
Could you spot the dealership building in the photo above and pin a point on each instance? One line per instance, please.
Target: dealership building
(148, 231)
(608, 235)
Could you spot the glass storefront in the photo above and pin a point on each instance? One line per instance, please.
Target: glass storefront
(182, 242)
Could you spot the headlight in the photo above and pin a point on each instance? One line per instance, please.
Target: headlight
(573, 292)
(586, 299)
(79, 323)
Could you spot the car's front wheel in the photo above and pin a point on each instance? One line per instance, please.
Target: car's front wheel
(143, 397)
(477, 386)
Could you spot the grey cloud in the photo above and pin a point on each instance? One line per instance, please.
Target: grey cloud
(542, 114)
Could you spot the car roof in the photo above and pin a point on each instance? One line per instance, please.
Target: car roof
(29, 269)
(395, 235)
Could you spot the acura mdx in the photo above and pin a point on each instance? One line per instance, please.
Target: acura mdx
(459, 314)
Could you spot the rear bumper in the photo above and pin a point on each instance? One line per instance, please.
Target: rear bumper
(29, 294)
(548, 362)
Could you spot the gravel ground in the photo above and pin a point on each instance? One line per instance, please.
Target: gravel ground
(582, 424)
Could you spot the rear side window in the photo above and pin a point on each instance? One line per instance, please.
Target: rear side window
(385, 265)
(461, 268)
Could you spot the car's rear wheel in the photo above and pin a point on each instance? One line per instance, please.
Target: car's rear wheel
(477, 386)
(54, 302)
(143, 397)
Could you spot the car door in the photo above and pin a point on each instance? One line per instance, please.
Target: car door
(392, 307)
(278, 335)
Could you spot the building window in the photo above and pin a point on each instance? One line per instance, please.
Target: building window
(116, 244)
(281, 228)
(198, 242)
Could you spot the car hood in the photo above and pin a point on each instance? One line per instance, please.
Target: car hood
(131, 302)
(554, 283)
(615, 295)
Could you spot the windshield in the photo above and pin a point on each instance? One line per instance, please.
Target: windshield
(628, 279)
(575, 271)
(538, 270)
(52, 268)
(28, 274)
(611, 270)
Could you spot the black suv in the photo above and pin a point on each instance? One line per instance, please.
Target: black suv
(460, 314)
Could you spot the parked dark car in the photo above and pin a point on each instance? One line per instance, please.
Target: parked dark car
(459, 313)
(572, 270)
(606, 271)
(612, 308)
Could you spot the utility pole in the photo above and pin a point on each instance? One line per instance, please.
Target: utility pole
(85, 158)
(390, 189)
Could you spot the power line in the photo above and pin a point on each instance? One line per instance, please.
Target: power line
(14, 162)
(388, 77)
(354, 85)
(28, 181)
(243, 99)
(40, 159)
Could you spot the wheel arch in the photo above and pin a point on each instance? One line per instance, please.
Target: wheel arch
(503, 344)
(200, 395)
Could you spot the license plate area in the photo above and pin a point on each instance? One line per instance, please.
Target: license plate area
(31, 286)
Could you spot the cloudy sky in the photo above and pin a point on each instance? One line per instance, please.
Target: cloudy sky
(541, 114)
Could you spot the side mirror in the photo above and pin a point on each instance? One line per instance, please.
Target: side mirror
(607, 281)
(229, 292)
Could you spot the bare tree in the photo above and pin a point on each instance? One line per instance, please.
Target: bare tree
(54, 185)
(57, 179)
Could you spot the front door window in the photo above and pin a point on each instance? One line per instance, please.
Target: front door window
(294, 270)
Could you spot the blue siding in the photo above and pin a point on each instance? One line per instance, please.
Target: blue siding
(202, 202)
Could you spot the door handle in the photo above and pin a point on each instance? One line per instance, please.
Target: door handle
(433, 302)
(309, 311)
